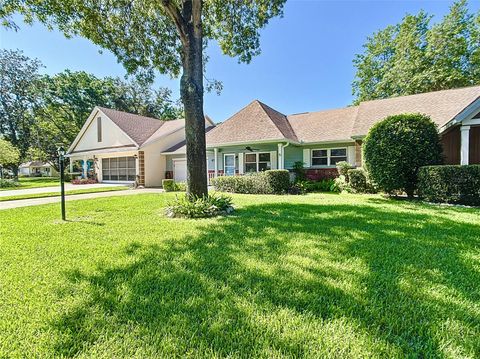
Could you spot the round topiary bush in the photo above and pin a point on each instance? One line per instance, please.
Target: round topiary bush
(397, 147)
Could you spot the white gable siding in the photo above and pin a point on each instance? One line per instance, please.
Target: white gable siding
(112, 136)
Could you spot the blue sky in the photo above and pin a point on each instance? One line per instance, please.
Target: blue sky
(305, 65)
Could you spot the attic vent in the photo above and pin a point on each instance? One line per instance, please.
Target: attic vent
(99, 129)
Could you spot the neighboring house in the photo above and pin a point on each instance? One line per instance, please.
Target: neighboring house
(122, 147)
(259, 137)
(37, 169)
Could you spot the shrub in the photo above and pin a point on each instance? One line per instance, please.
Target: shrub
(278, 181)
(359, 182)
(450, 184)
(325, 185)
(84, 181)
(397, 147)
(297, 188)
(5, 183)
(299, 170)
(185, 206)
(168, 185)
(341, 184)
(268, 182)
(343, 167)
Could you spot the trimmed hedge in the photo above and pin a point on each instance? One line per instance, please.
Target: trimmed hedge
(359, 182)
(450, 184)
(169, 185)
(268, 182)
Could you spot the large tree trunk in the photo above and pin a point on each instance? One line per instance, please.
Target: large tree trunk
(191, 89)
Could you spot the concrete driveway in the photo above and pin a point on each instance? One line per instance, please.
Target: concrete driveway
(68, 187)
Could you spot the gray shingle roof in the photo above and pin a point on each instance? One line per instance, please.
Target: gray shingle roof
(138, 128)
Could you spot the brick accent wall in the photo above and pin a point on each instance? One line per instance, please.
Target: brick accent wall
(141, 168)
(317, 174)
(358, 153)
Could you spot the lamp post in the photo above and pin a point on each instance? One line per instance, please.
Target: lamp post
(61, 163)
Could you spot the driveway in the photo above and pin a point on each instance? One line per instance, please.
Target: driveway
(74, 197)
(68, 187)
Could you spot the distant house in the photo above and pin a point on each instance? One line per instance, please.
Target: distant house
(37, 169)
(259, 137)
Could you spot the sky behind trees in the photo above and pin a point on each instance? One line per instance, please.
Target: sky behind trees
(305, 65)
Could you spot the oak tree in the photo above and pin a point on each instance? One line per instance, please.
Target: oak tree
(169, 36)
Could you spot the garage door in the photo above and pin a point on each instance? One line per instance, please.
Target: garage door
(180, 170)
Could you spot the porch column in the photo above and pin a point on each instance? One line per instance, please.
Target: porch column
(84, 167)
(464, 144)
(70, 165)
(215, 161)
(280, 164)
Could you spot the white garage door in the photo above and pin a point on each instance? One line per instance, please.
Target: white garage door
(180, 170)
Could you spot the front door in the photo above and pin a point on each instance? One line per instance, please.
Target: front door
(180, 170)
(229, 164)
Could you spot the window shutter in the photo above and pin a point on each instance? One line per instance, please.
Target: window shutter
(306, 157)
(241, 167)
(273, 159)
(351, 155)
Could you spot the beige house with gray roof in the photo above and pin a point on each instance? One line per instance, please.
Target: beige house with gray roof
(259, 137)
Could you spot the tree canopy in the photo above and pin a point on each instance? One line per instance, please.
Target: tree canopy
(168, 36)
(416, 56)
(9, 155)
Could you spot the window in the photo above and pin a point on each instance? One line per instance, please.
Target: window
(119, 169)
(99, 129)
(257, 162)
(229, 164)
(328, 157)
(319, 157)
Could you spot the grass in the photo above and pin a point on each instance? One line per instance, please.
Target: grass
(34, 182)
(295, 276)
(56, 194)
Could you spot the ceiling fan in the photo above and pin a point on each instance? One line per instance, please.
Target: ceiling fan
(248, 148)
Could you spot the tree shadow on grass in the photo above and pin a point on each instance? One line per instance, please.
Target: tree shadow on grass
(269, 280)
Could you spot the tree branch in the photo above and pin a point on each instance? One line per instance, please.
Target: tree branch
(174, 12)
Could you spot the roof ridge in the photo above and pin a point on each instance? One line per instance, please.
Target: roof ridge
(263, 106)
(420, 94)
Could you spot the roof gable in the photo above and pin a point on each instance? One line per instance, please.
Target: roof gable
(138, 128)
(255, 122)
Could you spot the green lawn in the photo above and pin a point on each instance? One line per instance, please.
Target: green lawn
(34, 182)
(294, 276)
(56, 194)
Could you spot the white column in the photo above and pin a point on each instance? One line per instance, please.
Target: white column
(71, 165)
(215, 161)
(464, 144)
(280, 156)
(84, 167)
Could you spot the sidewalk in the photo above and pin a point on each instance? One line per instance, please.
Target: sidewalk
(68, 187)
(74, 197)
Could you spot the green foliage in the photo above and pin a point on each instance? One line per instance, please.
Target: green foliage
(359, 181)
(278, 181)
(299, 170)
(187, 206)
(450, 184)
(7, 183)
(9, 155)
(414, 57)
(341, 184)
(324, 185)
(19, 80)
(169, 185)
(268, 182)
(397, 147)
(343, 167)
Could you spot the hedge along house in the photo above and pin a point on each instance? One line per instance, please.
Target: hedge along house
(116, 146)
(258, 137)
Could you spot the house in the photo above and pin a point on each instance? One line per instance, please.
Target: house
(37, 169)
(116, 146)
(259, 137)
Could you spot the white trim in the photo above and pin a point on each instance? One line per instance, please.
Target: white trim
(329, 156)
(466, 114)
(224, 163)
(464, 145)
(226, 144)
